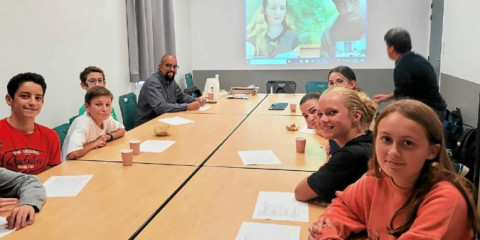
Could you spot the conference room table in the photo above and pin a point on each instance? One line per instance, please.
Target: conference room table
(194, 142)
(270, 99)
(269, 132)
(226, 105)
(215, 202)
(113, 204)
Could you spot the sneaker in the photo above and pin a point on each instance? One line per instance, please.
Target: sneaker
(462, 170)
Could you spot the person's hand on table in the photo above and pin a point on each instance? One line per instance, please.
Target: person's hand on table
(193, 106)
(201, 100)
(20, 217)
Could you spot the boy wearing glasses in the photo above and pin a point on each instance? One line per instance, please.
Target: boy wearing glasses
(90, 77)
(161, 94)
(26, 146)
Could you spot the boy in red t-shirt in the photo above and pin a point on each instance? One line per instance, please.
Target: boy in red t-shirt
(25, 146)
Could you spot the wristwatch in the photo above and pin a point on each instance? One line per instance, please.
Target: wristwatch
(111, 137)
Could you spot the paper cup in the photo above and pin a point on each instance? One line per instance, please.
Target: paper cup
(127, 157)
(300, 143)
(135, 146)
(293, 107)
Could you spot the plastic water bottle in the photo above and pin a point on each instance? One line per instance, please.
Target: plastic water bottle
(216, 88)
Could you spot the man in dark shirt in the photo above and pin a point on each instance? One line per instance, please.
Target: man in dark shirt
(161, 94)
(413, 75)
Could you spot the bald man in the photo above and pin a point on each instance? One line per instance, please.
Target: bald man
(161, 94)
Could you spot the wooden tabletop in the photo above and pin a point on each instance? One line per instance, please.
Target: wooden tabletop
(194, 142)
(113, 204)
(267, 132)
(277, 98)
(215, 202)
(233, 106)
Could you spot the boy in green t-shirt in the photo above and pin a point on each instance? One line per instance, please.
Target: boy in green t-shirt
(90, 77)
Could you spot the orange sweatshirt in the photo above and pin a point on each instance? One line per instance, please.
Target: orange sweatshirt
(371, 202)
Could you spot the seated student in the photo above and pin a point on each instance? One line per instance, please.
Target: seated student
(90, 77)
(410, 190)
(21, 196)
(26, 146)
(95, 128)
(308, 107)
(344, 117)
(161, 94)
(342, 76)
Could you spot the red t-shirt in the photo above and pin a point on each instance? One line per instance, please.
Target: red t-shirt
(28, 153)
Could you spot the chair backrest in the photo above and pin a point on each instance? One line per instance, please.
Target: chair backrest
(189, 79)
(62, 131)
(128, 107)
(316, 86)
(70, 120)
(281, 87)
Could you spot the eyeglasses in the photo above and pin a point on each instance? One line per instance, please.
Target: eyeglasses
(337, 82)
(94, 81)
(168, 65)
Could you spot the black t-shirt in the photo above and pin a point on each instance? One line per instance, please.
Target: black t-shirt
(346, 165)
(415, 78)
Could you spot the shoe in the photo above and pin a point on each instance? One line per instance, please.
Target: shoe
(462, 170)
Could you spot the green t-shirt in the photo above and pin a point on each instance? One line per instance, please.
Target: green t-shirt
(82, 110)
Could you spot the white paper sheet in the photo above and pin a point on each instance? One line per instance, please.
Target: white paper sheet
(259, 157)
(156, 146)
(204, 107)
(4, 231)
(280, 206)
(305, 129)
(66, 186)
(264, 231)
(175, 120)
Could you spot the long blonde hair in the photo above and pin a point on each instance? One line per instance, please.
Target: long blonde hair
(433, 171)
(258, 28)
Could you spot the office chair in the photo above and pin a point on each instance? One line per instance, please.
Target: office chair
(281, 87)
(62, 131)
(189, 79)
(128, 107)
(316, 86)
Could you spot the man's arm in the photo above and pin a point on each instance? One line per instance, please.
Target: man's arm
(379, 98)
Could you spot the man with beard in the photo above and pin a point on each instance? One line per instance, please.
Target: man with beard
(161, 94)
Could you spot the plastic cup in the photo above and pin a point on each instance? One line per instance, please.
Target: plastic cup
(127, 157)
(293, 107)
(135, 146)
(300, 143)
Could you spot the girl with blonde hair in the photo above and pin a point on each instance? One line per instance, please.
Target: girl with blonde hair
(271, 32)
(344, 116)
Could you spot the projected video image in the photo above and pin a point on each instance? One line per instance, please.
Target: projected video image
(305, 31)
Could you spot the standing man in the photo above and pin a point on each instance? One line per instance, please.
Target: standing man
(413, 75)
(161, 94)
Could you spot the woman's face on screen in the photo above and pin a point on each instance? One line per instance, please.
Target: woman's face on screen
(275, 12)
